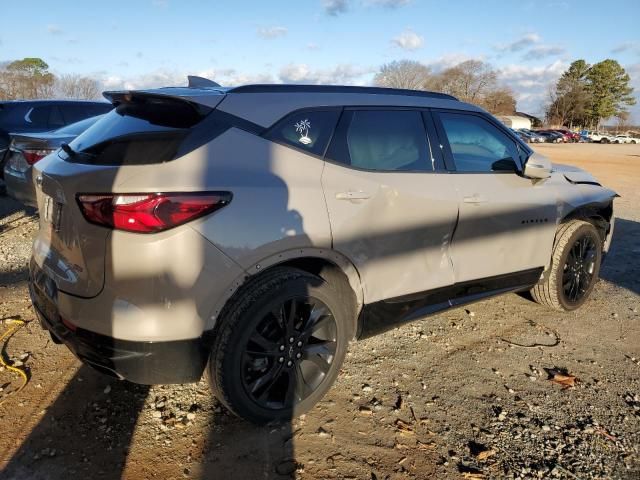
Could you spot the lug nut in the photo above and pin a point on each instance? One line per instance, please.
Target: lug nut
(281, 359)
(291, 339)
(298, 355)
(289, 363)
(300, 344)
(282, 348)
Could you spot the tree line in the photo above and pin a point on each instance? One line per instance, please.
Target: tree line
(30, 78)
(585, 95)
(471, 81)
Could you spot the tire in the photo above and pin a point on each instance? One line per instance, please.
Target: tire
(633, 142)
(255, 370)
(552, 290)
(604, 140)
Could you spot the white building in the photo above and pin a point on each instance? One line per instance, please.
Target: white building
(515, 121)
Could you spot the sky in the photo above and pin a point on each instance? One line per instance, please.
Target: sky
(152, 43)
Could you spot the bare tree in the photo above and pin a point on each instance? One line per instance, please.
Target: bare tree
(407, 74)
(469, 81)
(77, 86)
(500, 101)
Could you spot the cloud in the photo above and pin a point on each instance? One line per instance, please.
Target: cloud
(531, 84)
(335, 7)
(408, 40)
(543, 51)
(312, 46)
(160, 3)
(524, 42)
(271, 32)
(388, 3)
(451, 60)
(633, 47)
(54, 30)
(346, 74)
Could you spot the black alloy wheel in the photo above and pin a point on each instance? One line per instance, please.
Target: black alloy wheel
(289, 353)
(579, 269)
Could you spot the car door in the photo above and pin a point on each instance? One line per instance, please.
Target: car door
(391, 205)
(506, 221)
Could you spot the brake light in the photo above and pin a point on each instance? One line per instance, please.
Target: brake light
(32, 156)
(149, 213)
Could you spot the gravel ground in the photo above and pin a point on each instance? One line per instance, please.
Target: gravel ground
(464, 394)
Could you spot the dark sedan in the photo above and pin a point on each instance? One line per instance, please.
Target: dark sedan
(26, 116)
(27, 149)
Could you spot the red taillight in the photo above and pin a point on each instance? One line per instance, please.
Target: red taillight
(149, 213)
(33, 156)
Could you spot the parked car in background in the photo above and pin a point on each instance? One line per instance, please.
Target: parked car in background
(25, 150)
(24, 116)
(530, 136)
(624, 139)
(596, 136)
(571, 136)
(551, 136)
(585, 139)
(255, 231)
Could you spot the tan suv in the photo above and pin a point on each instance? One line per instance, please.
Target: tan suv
(259, 229)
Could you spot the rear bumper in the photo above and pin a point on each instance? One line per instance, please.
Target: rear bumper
(149, 363)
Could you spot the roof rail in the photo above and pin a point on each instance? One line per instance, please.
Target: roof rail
(288, 88)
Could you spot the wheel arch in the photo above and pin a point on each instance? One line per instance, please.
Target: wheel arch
(599, 213)
(326, 263)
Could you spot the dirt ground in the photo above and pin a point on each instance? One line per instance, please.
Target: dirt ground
(463, 394)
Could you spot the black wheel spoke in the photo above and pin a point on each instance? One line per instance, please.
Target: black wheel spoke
(264, 381)
(327, 348)
(267, 346)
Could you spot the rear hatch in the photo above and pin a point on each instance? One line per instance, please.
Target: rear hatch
(145, 128)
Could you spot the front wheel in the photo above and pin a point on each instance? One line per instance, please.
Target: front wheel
(575, 265)
(280, 346)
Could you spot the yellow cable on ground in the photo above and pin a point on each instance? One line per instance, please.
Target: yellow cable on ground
(4, 338)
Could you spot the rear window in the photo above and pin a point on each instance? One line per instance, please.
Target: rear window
(144, 131)
(78, 127)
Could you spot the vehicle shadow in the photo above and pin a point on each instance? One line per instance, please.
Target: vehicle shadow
(619, 267)
(85, 433)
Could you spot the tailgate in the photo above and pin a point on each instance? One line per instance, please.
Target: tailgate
(67, 247)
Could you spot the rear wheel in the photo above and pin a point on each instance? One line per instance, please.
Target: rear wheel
(280, 346)
(575, 265)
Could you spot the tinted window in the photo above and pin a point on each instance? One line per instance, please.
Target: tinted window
(74, 113)
(78, 127)
(39, 116)
(384, 140)
(477, 145)
(55, 119)
(142, 132)
(308, 130)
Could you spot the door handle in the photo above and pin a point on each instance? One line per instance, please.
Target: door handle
(475, 198)
(353, 195)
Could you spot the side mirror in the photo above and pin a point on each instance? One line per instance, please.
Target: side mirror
(537, 166)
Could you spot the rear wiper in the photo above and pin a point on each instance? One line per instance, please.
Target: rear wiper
(72, 153)
(67, 149)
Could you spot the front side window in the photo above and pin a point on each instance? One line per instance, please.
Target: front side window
(477, 145)
(382, 140)
(308, 130)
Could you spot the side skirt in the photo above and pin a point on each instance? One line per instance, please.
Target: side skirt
(384, 315)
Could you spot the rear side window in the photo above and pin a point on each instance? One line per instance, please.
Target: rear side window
(382, 140)
(76, 112)
(46, 117)
(141, 132)
(477, 145)
(308, 130)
